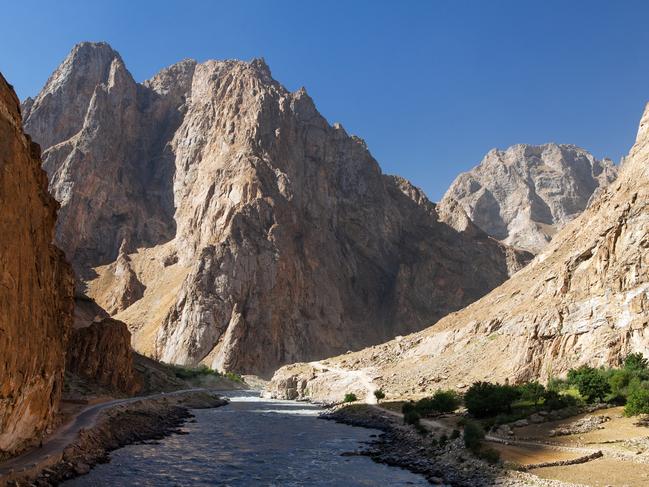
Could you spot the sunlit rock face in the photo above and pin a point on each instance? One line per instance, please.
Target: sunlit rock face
(36, 287)
(228, 223)
(525, 194)
(583, 300)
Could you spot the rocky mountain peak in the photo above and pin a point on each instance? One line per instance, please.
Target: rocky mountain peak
(256, 233)
(524, 194)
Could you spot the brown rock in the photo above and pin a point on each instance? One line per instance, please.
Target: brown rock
(36, 288)
(100, 350)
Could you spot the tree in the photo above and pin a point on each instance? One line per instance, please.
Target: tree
(379, 394)
(446, 401)
(590, 382)
(350, 397)
(638, 399)
(532, 391)
(473, 435)
(636, 362)
(553, 400)
(485, 399)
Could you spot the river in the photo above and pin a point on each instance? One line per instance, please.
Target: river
(251, 441)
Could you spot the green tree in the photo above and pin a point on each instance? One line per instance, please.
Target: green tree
(379, 395)
(484, 399)
(532, 391)
(350, 397)
(443, 401)
(473, 435)
(446, 401)
(636, 362)
(637, 400)
(590, 382)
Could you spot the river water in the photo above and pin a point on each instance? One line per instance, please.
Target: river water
(249, 442)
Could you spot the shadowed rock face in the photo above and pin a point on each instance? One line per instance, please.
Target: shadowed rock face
(100, 349)
(583, 300)
(525, 194)
(35, 288)
(228, 223)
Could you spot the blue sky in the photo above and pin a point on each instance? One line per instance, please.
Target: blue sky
(430, 85)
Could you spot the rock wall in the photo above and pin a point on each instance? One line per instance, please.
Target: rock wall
(100, 349)
(525, 194)
(36, 286)
(583, 300)
(243, 230)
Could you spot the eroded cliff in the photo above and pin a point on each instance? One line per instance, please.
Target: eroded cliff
(36, 287)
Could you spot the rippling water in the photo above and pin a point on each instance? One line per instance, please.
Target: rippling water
(251, 441)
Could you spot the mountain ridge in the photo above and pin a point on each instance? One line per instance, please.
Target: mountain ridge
(272, 233)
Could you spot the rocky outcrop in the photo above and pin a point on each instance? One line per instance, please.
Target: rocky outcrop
(255, 233)
(36, 288)
(583, 300)
(100, 349)
(525, 194)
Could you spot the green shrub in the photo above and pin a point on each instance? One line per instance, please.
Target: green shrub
(553, 400)
(408, 406)
(446, 401)
(484, 399)
(532, 391)
(187, 373)
(233, 377)
(379, 394)
(350, 397)
(473, 435)
(411, 417)
(490, 455)
(556, 384)
(638, 399)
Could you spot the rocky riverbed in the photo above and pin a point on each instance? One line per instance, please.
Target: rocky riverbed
(442, 464)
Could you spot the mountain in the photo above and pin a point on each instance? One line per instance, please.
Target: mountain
(228, 223)
(525, 194)
(36, 288)
(583, 300)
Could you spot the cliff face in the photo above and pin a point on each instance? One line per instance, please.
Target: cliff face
(583, 300)
(525, 194)
(228, 223)
(35, 288)
(100, 349)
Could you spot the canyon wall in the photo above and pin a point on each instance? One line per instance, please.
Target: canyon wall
(583, 300)
(36, 286)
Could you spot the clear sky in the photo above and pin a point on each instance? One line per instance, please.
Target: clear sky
(430, 85)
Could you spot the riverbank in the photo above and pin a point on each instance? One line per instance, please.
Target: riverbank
(448, 463)
(124, 423)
